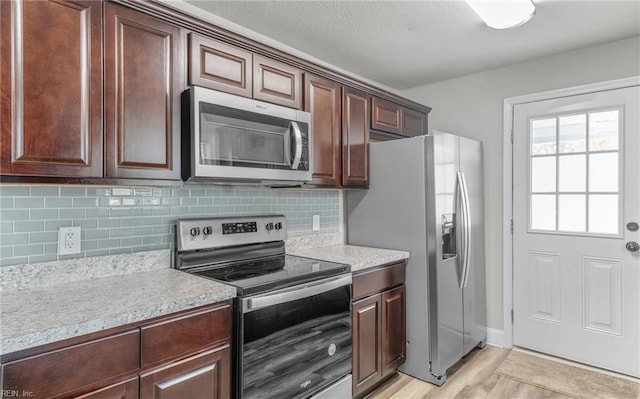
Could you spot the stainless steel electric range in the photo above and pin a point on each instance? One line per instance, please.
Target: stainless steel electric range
(292, 335)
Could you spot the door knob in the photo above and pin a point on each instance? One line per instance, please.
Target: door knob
(633, 246)
(632, 226)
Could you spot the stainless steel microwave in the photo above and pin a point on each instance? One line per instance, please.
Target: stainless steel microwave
(237, 139)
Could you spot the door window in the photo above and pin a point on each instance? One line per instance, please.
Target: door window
(574, 173)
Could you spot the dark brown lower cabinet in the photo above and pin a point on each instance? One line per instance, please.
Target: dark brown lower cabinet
(181, 355)
(205, 375)
(379, 326)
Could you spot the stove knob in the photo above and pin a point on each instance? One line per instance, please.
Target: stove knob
(207, 230)
(279, 226)
(269, 226)
(195, 231)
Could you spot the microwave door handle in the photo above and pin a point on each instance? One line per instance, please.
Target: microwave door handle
(297, 134)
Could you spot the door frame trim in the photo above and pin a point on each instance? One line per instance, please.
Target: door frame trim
(507, 181)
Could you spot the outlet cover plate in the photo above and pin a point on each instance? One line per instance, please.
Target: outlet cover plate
(69, 240)
(316, 222)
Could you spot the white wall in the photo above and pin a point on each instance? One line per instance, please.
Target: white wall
(472, 106)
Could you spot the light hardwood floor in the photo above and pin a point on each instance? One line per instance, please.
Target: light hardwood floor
(474, 377)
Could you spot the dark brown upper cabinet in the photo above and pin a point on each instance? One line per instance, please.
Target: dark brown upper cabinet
(51, 88)
(355, 138)
(219, 66)
(276, 82)
(389, 117)
(144, 77)
(323, 99)
(385, 116)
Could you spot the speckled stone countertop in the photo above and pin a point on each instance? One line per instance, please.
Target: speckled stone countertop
(358, 257)
(46, 314)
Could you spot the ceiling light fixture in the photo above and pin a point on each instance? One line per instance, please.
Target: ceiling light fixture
(503, 14)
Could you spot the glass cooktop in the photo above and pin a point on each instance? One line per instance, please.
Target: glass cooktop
(271, 273)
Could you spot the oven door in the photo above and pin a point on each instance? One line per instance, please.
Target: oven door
(295, 342)
(238, 138)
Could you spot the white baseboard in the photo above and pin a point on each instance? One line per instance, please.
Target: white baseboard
(495, 337)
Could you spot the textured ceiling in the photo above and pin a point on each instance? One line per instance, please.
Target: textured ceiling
(404, 44)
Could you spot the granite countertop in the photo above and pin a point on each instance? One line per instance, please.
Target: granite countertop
(46, 314)
(358, 257)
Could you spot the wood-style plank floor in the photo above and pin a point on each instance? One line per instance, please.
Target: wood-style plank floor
(474, 377)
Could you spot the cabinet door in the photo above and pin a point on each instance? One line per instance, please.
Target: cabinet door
(276, 82)
(144, 76)
(414, 123)
(123, 390)
(355, 138)
(219, 66)
(206, 375)
(367, 340)
(322, 100)
(385, 116)
(51, 88)
(393, 329)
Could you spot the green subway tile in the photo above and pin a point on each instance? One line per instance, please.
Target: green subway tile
(151, 221)
(71, 191)
(6, 252)
(205, 201)
(141, 231)
(99, 252)
(42, 258)
(40, 238)
(89, 202)
(148, 240)
(128, 222)
(45, 191)
(117, 251)
(98, 192)
(96, 234)
(58, 202)
(131, 241)
(98, 212)
(54, 225)
(14, 238)
(108, 223)
(28, 250)
(197, 192)
(43, 214)
(109, 243)
(6, 227)
(86, 223)
(120, 232)
(188, 201)
(162, 229)
(14, 261)
(152, 201)
(14, 191)
(29, 203)
(51, 248)
(72, 213)
(162, 211)
(143, 192)
(89, 245)
(22, 227)
(6, 202)
(196, 210)
(120, 212)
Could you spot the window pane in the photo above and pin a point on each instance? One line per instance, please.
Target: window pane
(572, 213)
(573, 133)
(543, 174)
(543, 212)
(572, 173)
(603, 130)
(603, 214)
(543, 136)
(603, 172)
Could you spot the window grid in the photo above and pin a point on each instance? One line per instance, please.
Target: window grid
(587, 152)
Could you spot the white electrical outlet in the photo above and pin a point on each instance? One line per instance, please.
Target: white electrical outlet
(69, 240)
(316, 222)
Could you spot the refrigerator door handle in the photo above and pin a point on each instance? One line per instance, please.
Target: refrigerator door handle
(466, 228)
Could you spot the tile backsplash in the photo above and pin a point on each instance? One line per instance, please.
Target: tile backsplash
(119, 219)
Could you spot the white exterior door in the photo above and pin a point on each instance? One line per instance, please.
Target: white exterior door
(576, 182)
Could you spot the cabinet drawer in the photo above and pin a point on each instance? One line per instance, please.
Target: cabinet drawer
(71, 368)
(171, 338)
(370, 282)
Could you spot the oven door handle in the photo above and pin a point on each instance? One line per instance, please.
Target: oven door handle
(293, 293)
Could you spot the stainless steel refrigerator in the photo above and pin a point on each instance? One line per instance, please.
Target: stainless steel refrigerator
(426, 196)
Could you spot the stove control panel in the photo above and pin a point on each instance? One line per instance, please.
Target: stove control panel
(205, 233)
(240, 227)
